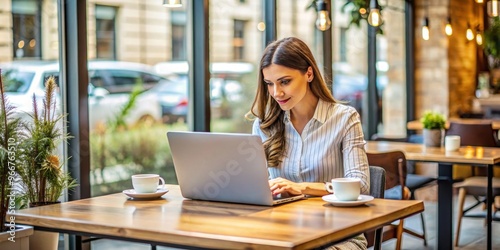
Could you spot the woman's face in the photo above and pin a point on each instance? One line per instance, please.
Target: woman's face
(286, 85)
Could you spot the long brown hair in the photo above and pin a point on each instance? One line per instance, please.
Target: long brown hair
(289, 52)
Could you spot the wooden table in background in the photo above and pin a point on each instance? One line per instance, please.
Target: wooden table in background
(477, 156)
(175, 221)
(417, 125)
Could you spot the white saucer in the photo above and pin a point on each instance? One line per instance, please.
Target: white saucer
(332, 199)
(131, 193)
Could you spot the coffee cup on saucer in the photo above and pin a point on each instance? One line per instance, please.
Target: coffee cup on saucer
(147, 183)
(345, 189)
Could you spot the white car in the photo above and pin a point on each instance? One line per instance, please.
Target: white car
(109, 89)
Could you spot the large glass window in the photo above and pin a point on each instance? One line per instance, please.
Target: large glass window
(296, 19)
(105, 32)
(132, 99)
(391, 70)
(29, 57)
(235, 49)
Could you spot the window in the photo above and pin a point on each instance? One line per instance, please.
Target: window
(105, 32)
(26, 21)
(178, 35)
(239, 40)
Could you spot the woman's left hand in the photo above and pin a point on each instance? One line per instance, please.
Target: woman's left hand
(280, 185)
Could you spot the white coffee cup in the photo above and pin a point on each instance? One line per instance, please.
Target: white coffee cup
(452, 142)
(345, 189)
(147, 183)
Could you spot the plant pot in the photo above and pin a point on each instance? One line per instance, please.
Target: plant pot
(20, 241)
(433, 137)
(43, 240)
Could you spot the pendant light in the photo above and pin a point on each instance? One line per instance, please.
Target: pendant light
(323, 21)
(425, 29)
(468, 33)
(448, 29)
(479, 37)
(375, 18)
(172, 3)
(492, 8)
(425, 26)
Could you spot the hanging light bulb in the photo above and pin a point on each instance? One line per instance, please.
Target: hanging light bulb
(492, 8)
(172, 3)
(448, 29)
(469, 34)
(479, 1)
(323, 21)
(425, 29)
(374, 18)
(479, 38)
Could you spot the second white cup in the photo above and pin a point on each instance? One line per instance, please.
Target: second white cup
(147, 183)
(452, 142)
(345, 189)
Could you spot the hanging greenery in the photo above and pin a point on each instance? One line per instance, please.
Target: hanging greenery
(492, 42)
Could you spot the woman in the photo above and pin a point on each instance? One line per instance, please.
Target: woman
(308, 137)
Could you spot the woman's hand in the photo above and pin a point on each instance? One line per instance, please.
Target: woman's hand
(280, 185)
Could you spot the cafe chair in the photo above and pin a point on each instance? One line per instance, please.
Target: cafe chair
(394, 164)
(377, 189)
(413, 181)
(473, 134)
(377, 182)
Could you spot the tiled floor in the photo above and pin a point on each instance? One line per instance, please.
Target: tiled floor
(472, 237)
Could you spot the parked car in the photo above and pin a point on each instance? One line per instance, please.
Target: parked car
(110, 86)
(352, 88)
(173, 97)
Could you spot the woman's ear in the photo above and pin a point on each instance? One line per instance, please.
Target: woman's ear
(310, 74)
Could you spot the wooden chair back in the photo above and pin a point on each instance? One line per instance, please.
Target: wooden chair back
(474, 134)
(394, 163)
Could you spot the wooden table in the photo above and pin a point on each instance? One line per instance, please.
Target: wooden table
(417, 125)
(175, 221)
(489, 104)
(478, 156)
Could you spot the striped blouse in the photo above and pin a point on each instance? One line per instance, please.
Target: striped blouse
(331, 146)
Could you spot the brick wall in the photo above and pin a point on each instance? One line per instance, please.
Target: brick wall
(445, 67)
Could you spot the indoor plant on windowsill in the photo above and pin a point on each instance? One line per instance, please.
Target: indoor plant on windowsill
(12, 236)
(42, 179)
(433, 123)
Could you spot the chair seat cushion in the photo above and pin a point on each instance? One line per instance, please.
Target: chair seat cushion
(394, 193)
(414, 181)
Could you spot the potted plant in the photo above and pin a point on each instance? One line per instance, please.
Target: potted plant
(433, 123)
(42, 179)
(12, 236)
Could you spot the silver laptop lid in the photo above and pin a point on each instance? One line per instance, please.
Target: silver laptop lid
(221, 167)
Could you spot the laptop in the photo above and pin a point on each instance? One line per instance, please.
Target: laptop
(222, 167)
